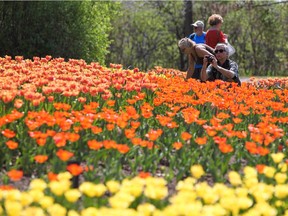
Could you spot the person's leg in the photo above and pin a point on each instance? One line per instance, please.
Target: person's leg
(196, 74)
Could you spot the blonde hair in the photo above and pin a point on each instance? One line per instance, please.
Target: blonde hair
(185, 43)
(215, 19)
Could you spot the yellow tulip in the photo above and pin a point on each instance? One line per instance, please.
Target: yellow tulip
(26, 199)
(64, 176)
(37, 211)
(183, 197)
(250, 172)
(72, 195)
(91, 211)
(244, 202)
(13, 208)
(277, 157)
(37, 195)
(197, 171)
(13, 195)
(38, 184)
(146, 209)
(265, 209)
(281, 191)
(73, 213)
(215, 210)
(269, 171)
(46, 202)
(186, 184)
(59, 187)
(283, 167)
(121, 200)
(234, 178)
(113, 186)
(157, 193)
(92, 190)
(280, 178)
(56, 210)
(241, 192)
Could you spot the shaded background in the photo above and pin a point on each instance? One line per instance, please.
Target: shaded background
(144, 34)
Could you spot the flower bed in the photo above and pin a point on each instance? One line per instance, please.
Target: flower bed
(132, 139)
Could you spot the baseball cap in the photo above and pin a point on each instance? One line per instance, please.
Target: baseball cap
(198, 23)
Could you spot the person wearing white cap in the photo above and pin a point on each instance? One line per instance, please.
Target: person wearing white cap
(199, 38)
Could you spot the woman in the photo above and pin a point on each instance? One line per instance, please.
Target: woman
(214, 35)
(195, 53)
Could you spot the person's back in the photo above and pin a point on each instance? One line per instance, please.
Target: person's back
(214, 35)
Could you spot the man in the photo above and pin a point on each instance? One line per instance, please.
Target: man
(221, 66)
(198, 37)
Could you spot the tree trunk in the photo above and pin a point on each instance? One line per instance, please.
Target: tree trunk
(188, 18)
(187, 28)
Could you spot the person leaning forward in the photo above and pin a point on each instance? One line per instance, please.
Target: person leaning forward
(221, 66)
(195, 53)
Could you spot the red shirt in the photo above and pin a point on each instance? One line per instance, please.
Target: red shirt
(213, 37)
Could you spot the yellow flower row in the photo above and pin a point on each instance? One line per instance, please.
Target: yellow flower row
(245, 195)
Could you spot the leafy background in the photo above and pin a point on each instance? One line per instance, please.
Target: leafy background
(144, 34)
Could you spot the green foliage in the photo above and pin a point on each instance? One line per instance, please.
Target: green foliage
(62, 29)
(259, 38)
(145, 35)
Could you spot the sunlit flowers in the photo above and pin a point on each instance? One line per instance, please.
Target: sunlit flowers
(197, 171)
(15, 175)
(277, 157)
(92, 190)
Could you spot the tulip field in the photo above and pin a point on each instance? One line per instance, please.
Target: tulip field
(81, 139)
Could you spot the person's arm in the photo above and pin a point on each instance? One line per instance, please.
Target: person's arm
(222, 38)
(227, 73)
(201, 50)
(191, 68)
(203, 74)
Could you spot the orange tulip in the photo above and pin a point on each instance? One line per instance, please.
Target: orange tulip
(201, 140)
(260, 168)
(64, 155)
(52, 176)
(123, 149)
(144, 174)
(40, 158)
(18, 103)
(177, 145)
(110, 127)
(94, 145)
(15, 175)
(12, 145)
(186, 136)
(75, 169)
(8, 133)
(225, 148)
(96, 130)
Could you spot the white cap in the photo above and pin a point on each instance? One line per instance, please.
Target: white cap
(198, 23)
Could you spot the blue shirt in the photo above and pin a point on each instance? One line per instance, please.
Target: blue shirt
(198, 39)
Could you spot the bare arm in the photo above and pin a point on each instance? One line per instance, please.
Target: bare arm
(201, 51)
(203, 74)
(191, 69)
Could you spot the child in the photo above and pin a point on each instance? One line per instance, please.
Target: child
(214, 35)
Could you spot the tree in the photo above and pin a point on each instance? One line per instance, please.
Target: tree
(61, 29)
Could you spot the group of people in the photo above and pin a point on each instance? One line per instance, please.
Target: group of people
(208, 53)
